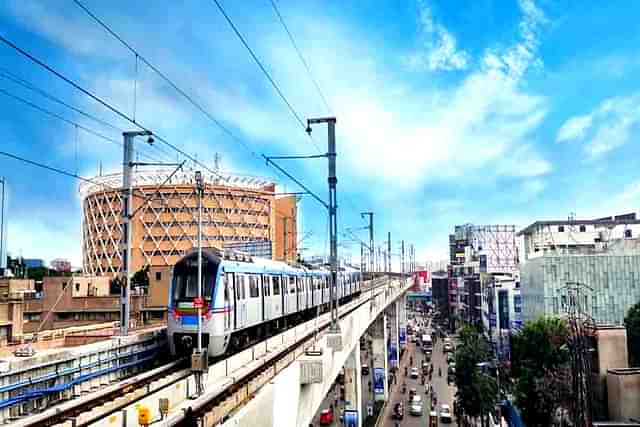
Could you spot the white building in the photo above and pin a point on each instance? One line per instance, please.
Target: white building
(601, 257)
(501, 309)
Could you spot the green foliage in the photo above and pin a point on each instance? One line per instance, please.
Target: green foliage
(141, 277)
(477, 392)
(540, 369)
(38, 273)
(632, 323)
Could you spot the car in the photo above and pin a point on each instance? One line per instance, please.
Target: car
(445, 413)
(326, 417)
(450, 358)
(412, 392)
(414, 373)
(448, 347)
(415, 406)
(398, 411)
(364, 369)
(26, 351)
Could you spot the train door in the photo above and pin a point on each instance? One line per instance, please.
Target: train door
(241, 301)
(229, 310)
(266, 297)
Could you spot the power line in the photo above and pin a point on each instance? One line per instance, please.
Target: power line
(103, 102)
(304, 62)
(70, 122)
(171, 83)
(264, 70)
(28, 85)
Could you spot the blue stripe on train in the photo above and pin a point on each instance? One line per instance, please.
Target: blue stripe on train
(189, 320)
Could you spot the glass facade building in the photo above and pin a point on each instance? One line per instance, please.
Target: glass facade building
(611, 285)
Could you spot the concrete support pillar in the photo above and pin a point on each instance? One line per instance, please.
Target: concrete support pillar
(393, 338)
(379, 348)
(353, 389)
(402, 321)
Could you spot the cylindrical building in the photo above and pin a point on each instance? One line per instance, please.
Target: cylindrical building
(236, 209)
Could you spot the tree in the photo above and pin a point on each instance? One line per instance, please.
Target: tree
(541, 370)
(476, 391)
(141, 277)
(632, 323)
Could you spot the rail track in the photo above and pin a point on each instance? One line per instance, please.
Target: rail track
(98, 405)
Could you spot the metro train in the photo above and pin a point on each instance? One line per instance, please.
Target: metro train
(245, 298)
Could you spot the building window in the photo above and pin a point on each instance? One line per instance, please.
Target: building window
(158, 276)
(627, 234)
(561, 229)
(583, 228)
(77, 287)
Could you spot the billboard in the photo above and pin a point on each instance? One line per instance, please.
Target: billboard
(350, 418)
(393, 355)
(378, 383)
(403, 337)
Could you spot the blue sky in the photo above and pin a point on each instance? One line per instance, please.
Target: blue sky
(478, 111)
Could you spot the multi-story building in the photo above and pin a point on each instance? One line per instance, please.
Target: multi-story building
(599, 259)
(83, 300)
(235, 209)
(501, 310)
(476, 253)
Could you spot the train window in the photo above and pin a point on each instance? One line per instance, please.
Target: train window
(254, 290)
(266, 289)
(299, 283)
(292, 284)
(276, 285)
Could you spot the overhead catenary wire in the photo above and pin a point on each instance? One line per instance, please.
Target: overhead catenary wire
(304, 62)
(4, 73)
(264, 70)
(76, 125)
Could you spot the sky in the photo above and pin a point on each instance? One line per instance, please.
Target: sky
(480, 111)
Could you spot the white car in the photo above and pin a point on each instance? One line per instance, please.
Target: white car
(415, 407)
(445, 413)
(414, 373)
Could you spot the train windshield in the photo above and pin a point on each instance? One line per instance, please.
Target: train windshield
(185, 279)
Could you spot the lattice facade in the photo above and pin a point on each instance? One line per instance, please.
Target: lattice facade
(235, 209)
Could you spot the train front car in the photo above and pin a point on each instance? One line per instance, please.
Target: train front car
(182, 324)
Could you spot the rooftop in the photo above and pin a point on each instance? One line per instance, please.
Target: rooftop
(609, 221)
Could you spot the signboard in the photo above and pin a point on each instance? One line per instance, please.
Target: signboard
(198, 303)
(378, 383)
(350, 418)
(403, 336)
(393, 355)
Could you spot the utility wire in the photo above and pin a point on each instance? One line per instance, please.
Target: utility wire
(28, 85)
(304, 62)
(69, 122)
(105, 104)
(170, 82)
(264, 70)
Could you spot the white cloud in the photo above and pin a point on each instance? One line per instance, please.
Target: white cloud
(439, 49)
(574, 128)
(609, 126)
(48, 19)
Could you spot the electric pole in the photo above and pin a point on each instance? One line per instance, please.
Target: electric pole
(389, 250)
(284, 240)
(371, 246)
(125, 238)
(333, 221)
(402, 258)
(3, 236)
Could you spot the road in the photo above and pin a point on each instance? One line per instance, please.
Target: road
(444, 392)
